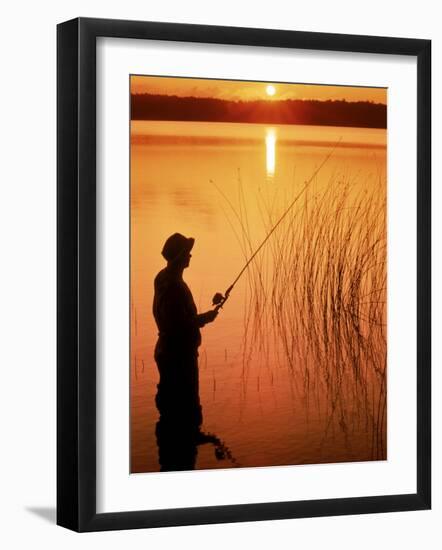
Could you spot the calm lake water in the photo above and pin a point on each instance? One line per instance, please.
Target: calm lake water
(272, 402)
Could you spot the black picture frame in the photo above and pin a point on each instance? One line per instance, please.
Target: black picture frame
(76, 274)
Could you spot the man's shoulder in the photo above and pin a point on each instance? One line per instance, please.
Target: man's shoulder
(160, 275)
(165, 279)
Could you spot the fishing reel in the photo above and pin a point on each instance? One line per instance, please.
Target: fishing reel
(218, 299)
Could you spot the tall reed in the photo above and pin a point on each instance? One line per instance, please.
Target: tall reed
(316, 297)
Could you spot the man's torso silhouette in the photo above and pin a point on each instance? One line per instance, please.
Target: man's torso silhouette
(176, 351)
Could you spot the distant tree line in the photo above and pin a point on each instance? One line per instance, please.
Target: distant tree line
(363, 114)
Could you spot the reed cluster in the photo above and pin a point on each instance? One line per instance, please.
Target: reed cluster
(315, 296)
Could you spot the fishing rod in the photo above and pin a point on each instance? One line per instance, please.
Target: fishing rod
(220, 299)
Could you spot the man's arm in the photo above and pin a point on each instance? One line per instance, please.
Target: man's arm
(179, 313)
(207, 317)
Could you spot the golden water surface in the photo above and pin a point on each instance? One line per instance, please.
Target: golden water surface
(293, 370)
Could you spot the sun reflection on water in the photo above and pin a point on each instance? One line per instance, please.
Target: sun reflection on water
(270, 151)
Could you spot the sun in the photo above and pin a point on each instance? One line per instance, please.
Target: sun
(270, 90)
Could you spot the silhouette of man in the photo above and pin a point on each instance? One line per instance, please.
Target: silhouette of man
(176, 355)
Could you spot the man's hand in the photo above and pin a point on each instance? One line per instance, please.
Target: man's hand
(211, 315)
(208, 317)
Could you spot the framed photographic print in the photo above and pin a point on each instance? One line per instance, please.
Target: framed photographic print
(243, 274)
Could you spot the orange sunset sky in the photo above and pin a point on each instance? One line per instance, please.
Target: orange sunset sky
(248, 91)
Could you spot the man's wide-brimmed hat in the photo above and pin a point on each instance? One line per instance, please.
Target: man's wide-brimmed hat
(176, 245)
